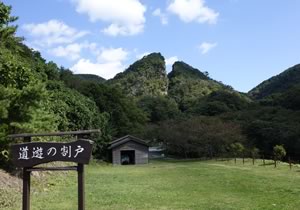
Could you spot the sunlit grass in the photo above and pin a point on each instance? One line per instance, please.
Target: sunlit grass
(177, 185)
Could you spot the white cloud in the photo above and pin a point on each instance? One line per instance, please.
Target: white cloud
(170, 61)
(72, 51)
(193, 10)
(112, 55)
(205, 47)
(105, 70)
(163, 17)
(53, 32)
(32, 46)
(126, 17)
(115, 30)
(109, 63)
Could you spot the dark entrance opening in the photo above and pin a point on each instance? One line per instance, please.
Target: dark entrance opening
(128, 157)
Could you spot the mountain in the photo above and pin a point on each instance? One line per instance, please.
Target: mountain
(180, 68)
(277, 84)
(90, 77)
(146, 76)
(187, 83)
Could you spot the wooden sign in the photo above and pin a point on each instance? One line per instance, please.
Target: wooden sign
(28, 154)
(34, 153)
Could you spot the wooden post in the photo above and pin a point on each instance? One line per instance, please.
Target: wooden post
(264, 160)
(26, 184)
(290, 163)
(26, 189)
(243, 159)
(81, 193)
(275, 162)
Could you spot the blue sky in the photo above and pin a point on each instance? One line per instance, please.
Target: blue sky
(239, 42)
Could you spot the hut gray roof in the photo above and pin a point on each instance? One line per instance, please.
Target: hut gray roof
(124, 140)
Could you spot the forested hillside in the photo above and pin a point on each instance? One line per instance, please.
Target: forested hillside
(91, 77)
(38, 96)
(187, 84)
(277, 84)
(146, 76)
(186, 111)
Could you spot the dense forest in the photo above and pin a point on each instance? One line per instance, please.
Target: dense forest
(186, 111)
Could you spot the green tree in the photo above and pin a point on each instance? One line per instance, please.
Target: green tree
(199, 136)
(159, 108)
(279, 153)
(254, 154)
(268, 126)
(219, 102)
(75, 111)
(7, 31)
(236, 149)
(125, 116)
(23, 99)
(290, 98)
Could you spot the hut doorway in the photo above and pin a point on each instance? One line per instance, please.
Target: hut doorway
(129, 150)
(128, 157)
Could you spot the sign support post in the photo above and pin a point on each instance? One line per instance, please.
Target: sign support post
(26, 189)
(81, 187)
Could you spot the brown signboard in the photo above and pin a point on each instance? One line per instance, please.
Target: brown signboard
(34, 153)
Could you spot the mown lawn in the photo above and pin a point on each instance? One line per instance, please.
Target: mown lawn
(175, 185)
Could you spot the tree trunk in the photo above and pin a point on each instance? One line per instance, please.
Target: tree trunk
(243, 159)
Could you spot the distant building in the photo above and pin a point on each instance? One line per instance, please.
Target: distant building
(156, 152)
(129, 150)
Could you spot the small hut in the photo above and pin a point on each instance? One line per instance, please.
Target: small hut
(129, 150)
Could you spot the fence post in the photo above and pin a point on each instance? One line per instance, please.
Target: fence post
(243, 159)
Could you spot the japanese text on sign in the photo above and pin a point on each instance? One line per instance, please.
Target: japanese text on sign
(40, 153)
(34, 153)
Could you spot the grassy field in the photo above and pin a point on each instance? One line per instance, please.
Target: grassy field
(174, 185)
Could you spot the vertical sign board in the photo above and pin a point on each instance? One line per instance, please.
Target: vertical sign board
(30, 154)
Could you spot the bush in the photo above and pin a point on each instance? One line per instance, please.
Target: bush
(279, 152)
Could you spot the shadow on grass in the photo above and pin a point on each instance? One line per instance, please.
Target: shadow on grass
(187, 160)
(267, 164)
(176, 160)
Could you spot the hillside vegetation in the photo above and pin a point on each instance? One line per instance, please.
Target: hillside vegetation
(90, 77)
(187, 84)
(277, 84)
(146, 76)
(186, 111)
